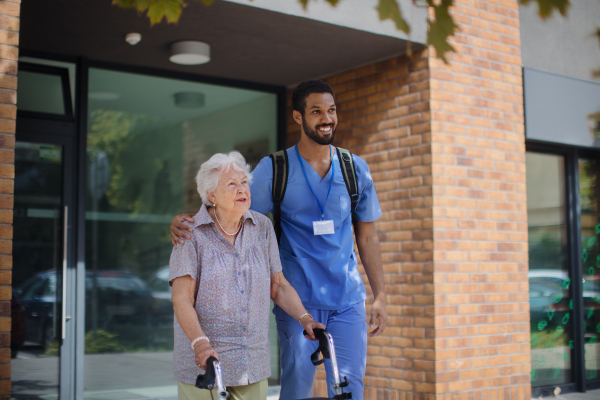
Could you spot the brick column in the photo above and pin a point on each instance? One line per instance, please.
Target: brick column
(9, 40)
(479, 207)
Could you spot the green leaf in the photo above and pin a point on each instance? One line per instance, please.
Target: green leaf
(304, 3)
(332, 2)
(142, 5)
(389, 9)
(441, 28)
(547, 7)
(168, 9)
(156, 10)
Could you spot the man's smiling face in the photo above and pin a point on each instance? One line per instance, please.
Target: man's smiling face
(319, 120)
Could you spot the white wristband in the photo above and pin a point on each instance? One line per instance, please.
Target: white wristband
(199, 339)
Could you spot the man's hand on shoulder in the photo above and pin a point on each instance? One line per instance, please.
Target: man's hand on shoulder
(378, 316)
(178, 228)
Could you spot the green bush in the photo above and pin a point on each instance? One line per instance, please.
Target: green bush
(102, 342)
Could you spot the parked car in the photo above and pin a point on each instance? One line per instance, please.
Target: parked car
(17, 331)
(121, 299)
(161, 292)
(550, 299)
(38, 296)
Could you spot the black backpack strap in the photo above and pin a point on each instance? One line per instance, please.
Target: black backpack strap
(349, 173)
(280, 176)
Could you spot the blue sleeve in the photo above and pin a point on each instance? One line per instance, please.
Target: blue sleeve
(367, 206)
(261, 193)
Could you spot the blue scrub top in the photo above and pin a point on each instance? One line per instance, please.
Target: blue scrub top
(321, 268)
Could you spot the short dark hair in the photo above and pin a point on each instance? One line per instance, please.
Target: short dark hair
(304, 90)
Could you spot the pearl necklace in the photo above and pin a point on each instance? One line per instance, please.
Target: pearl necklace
(224, 231)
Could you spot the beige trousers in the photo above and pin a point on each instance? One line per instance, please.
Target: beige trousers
(253, 391)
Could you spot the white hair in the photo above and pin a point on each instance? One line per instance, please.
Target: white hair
(207, 178)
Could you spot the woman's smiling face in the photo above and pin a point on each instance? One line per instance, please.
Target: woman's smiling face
(233, 193)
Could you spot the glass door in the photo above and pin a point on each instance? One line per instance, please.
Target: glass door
(563, 212)
(42, 331)
(589, 195)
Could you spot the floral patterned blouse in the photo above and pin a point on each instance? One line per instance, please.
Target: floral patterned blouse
(232, 299)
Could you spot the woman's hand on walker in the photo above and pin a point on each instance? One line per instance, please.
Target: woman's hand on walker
(309, 324)
(203, 351)
(178, 229)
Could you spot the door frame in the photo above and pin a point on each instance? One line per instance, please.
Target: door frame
(61, 133)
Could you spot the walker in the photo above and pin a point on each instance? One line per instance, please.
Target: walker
(212, 375)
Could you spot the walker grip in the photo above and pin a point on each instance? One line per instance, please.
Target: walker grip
(207, 381)
(323, 346)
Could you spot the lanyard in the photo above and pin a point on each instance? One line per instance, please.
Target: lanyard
(309, 185)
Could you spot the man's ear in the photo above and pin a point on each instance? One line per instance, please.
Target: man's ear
(297, 117)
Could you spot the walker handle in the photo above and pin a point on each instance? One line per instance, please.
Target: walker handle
(207, 381)
(323, 346)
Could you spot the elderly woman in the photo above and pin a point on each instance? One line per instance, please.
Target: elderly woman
(222, 280)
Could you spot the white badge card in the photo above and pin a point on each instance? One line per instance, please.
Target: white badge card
(323, 227)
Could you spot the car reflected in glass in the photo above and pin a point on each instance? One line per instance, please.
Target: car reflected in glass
(161, 292)
(123, 299)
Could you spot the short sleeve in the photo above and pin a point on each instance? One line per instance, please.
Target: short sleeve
(261, 199)
(273, 249)
(367, 206)
(184, 261)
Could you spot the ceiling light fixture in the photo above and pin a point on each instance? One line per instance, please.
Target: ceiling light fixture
(190, 52)
(189, 100)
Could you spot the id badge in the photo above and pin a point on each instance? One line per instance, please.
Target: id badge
(323, 227)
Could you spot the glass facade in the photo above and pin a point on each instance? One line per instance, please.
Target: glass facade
(147, 137)
(549, 282)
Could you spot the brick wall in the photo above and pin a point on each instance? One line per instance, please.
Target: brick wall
(479, 208)
(9, 40)
(445, 144)
(383, 112)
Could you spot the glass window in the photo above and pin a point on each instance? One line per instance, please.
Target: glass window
(41, 92)
(549, 281)
(589, 195)
(147, 137)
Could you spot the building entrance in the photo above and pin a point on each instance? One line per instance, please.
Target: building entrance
(114, 170)
(42, 337)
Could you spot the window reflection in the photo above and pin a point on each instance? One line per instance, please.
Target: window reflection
(144, 150)
(36, 276)
(589, 194)
(549, 281)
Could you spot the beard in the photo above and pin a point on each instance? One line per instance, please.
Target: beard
(314, 135)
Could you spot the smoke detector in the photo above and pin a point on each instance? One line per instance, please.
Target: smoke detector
(133, 38)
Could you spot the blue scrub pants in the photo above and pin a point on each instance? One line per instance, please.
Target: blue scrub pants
(348, 327)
